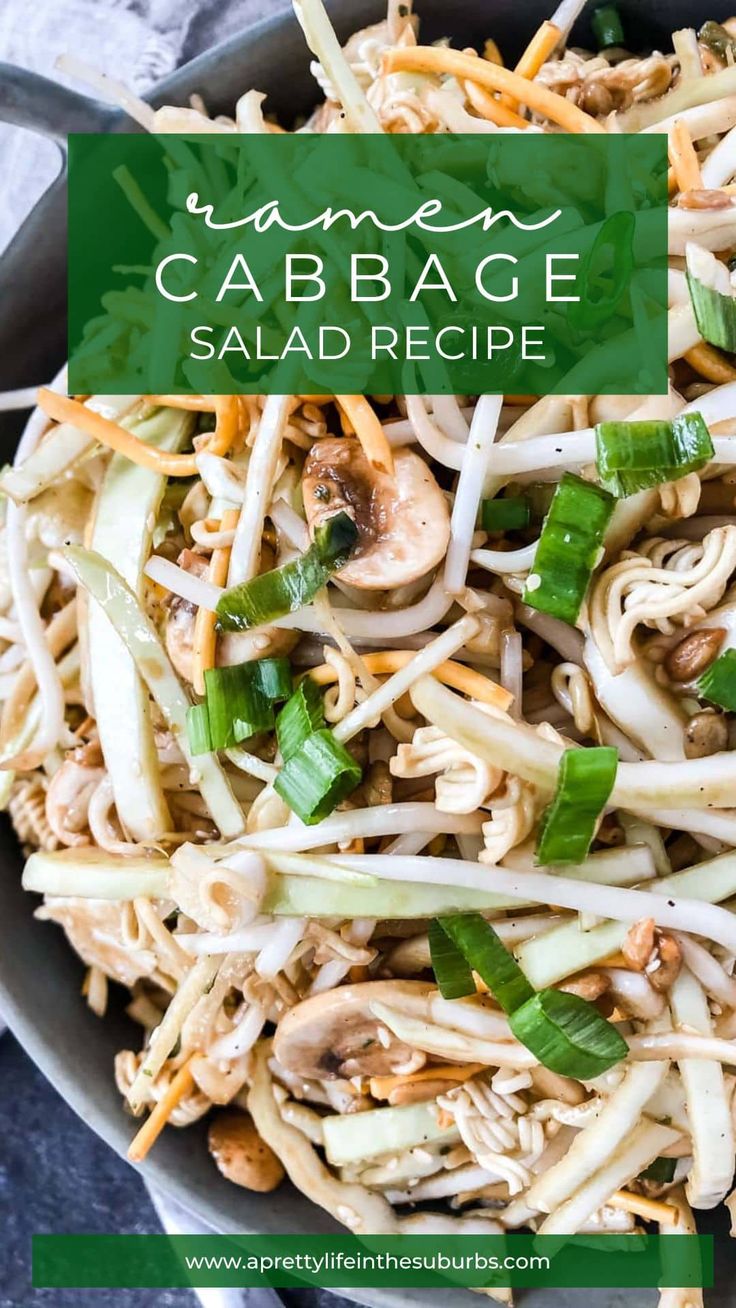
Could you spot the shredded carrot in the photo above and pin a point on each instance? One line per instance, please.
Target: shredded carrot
(538, 51)
(651, 1210)
(382, 1086)
(367, 427)
(615, 960)
(450, 673)
(437, 59)
(356, 846)
(710, 364)
(492, 53)
(154, 1124)
(205, 636)
(197, 403)
(63, 409)
(683, 158)
(495, 111)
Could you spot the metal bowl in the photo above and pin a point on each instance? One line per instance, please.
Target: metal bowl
(39, 973)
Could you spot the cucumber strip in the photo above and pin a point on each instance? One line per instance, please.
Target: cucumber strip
(305, 896)
(566, 949)
(91, 873)
(104, 584)
(312, 894)
(356, 1137)
(126, 510)
(64, 447)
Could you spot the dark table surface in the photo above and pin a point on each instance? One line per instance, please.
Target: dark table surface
(57, 1176)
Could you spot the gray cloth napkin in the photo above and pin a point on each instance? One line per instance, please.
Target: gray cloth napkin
(139, 41)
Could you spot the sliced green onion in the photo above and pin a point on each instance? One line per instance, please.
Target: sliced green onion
(717, 38)
(452, 974)
(236, 705)
(198, 729)
(584, 783)
(568, 1035)
(712, 297)
(569, 548)
(634, 455)
(661, 1170)
(508, 514)
(484, 952)
(317, 777)
(273, 678)
(605, 274)
(607, 26)
(718, 682)
(286, 589)
(299, 718)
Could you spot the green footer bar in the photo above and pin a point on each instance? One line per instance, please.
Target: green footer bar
(132, 1261)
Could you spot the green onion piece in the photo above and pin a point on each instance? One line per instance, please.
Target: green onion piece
(607, 26)
(452, 974)
(484, 952)
(198, 729)
(299, 718)
(335, 540)
(568, 1035)
(717, 38)
(568, 548)
(634, 455)
(718, 682)
(286, 589)
(507, 514)
(584, 782)
(273, 678)
(661, 1170)
(236, 705)
(605, 274)
(712, 297)
(317, 777)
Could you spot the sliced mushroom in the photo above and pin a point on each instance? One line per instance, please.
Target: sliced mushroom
(403, 521)
(236, 647)
(336, 1035)
(240, 1153)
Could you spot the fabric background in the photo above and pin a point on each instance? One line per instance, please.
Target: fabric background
(139, 41)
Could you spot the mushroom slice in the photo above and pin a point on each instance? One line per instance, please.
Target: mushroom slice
(232, 647)
(403, 521)
(336, 1035)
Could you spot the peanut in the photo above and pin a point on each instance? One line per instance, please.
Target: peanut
(240, 1153)
(694, 653)
(706, 733)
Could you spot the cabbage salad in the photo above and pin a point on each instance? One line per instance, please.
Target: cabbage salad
(382, 748)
